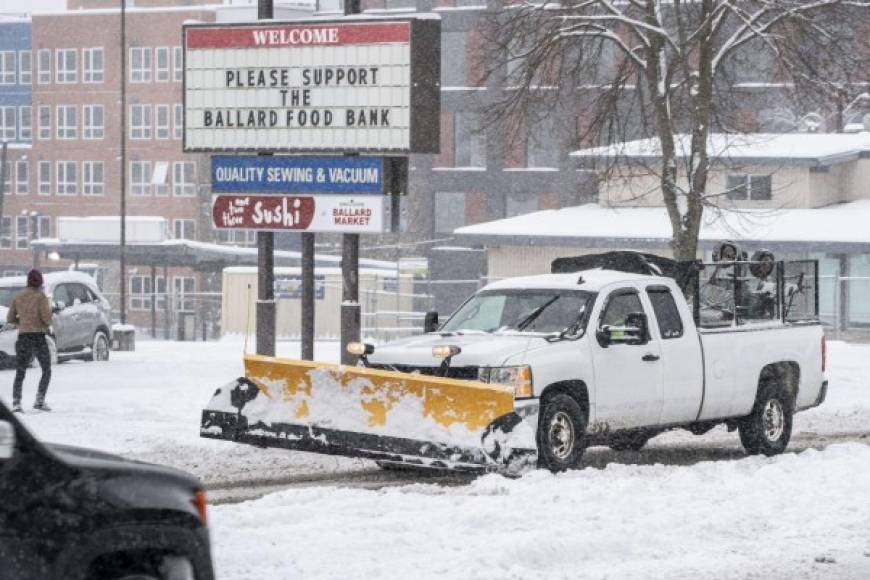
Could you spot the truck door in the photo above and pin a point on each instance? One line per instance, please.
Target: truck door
(682, 370)
(628, 376)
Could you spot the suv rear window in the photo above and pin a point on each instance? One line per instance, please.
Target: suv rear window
(7, 293)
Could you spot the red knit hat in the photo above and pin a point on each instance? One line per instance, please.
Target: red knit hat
(34, 278)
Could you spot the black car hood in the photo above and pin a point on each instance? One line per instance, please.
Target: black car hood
(92, 459)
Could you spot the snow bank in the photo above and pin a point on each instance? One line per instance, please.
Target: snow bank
(804, 515)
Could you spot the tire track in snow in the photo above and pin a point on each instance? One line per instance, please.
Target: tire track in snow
(685, 454)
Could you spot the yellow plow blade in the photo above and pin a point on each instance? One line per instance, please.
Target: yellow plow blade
(363, 412)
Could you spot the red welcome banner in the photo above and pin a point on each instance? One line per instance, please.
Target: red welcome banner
(276, 36)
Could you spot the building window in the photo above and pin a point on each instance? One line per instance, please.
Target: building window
(141, 292)
(140, 178)
(160, 178)
(161, 57)
(162, 130)
(520, 205)
(45, 178)
(66, 178)
(400, 4)
(43, 226)
(22, 232)
(752, 187)
(45, 122)
(454, 72)
(93, 65)
(25, 67)
(140, 122)
(184, 229)
(183, 288)
(44, 66)
(6, 233)
(237, 237)
(22, 177)
(67, 126)
(94, 124)
(542, 144)
(178, 120)
(92, 178)
(177, 64)
(184, 178)
(65, 65)
(469, 140)
(7, 67)
(8, 123)
(25, 123)
(140, 64)
(449, 211)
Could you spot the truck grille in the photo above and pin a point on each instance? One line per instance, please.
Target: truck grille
(464, 373)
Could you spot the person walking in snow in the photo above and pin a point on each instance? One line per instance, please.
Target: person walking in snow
(31, 311)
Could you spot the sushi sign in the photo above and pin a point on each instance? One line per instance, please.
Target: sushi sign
(327, 86)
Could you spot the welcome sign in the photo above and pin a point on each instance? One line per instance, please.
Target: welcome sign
(333, 86)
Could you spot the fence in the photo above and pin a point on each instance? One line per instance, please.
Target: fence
(171, 315)
(844, 304)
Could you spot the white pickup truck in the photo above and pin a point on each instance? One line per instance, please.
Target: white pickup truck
(608, 357)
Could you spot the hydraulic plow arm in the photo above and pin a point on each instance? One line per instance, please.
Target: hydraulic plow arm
(372, 413)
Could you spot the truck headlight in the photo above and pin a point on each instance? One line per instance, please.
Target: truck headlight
(518, 377)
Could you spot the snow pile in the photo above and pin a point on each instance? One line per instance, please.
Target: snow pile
(804, 515)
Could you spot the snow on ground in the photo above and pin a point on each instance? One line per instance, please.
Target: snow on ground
(794, 516)
(686, 507)
(146, 405)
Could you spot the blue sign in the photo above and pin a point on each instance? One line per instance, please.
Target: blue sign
(290, 287)
(284, 174)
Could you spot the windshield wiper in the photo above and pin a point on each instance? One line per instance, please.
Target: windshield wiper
(533, 315)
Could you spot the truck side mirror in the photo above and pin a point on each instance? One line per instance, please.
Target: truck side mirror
(57, 306)
(430, 322)
(635, 331)
(7, 440)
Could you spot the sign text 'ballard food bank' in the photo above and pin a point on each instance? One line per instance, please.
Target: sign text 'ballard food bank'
(328, 86)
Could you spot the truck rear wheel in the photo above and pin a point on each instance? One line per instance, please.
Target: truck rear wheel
(561, 430)
(767, 429)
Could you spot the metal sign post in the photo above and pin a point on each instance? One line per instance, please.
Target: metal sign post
(266, 322)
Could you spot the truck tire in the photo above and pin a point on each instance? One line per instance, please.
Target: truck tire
(767, 429)
(561, 431)
(631, 441)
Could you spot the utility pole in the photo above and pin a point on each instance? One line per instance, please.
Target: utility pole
(265, 255)
(4, 150)
(350, 308)
(123, 241)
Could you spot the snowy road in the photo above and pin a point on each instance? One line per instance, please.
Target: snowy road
(685, 507)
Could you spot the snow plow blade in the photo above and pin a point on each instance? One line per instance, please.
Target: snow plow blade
(389, 416)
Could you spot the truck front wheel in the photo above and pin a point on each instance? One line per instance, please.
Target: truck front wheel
(767, 429)
(561, 430)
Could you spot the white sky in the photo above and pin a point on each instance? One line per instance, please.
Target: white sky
(31, 5)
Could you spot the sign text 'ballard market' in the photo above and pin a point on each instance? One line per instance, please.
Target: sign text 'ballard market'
(330, 86)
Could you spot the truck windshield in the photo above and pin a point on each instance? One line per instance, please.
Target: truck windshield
(538, 310)
(7, 293)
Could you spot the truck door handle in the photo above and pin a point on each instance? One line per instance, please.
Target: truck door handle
(650, 358)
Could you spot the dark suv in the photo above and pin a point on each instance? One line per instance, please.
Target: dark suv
(76, 514)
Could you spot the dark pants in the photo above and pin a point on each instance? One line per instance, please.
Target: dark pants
(27, 346)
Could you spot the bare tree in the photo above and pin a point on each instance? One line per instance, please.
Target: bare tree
(650, 69)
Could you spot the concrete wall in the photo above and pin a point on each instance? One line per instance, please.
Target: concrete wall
(377, 295)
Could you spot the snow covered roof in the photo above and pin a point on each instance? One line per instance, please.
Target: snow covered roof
(808, 149)
(591, 225)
